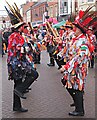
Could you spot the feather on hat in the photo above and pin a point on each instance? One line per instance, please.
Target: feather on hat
(85, 19)
(14, 15)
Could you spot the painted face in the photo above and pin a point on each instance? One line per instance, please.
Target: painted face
(25, 30)
(89, 32)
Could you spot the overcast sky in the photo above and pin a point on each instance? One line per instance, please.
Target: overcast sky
(3, 3)
(11, 2)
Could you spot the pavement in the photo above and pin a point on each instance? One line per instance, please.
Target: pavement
(48, 98)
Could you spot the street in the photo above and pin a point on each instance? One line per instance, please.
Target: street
(48, 98)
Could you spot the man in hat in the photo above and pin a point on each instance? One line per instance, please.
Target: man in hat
(19, 68)
(75, 70)
(67, 41)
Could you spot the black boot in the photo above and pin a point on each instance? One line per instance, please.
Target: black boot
(20, 109)
(74, 113)
(72, 93)
(79, 105)
(51, 64)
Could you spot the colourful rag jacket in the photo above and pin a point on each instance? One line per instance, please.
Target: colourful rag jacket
(19, 65)
(76, 67)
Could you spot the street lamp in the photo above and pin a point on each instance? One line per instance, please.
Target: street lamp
(46, 16)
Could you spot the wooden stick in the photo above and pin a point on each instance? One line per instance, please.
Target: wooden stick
(55, 33)
(31, 28)
(48, 25)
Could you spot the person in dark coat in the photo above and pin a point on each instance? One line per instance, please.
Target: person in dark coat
(6, 34)
(50, 49)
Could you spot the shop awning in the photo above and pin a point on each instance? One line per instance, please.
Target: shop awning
(58, 25)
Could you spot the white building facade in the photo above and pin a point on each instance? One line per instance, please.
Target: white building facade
(83, 4)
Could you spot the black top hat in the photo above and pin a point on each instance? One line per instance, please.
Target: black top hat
(15, 16)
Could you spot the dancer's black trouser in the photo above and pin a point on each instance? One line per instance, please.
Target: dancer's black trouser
(77, 98)
(30, 78)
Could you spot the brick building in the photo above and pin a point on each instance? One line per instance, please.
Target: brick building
(36, 14)
(25, 7)
(53, 9)
(38, 10)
